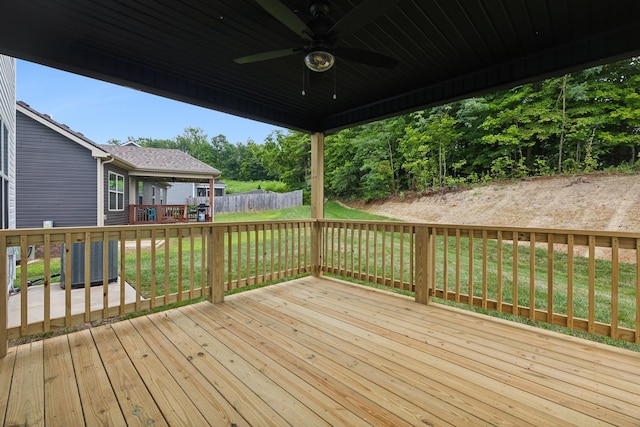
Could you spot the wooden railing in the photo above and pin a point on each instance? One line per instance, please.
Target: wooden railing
(153, 266)
(158, 214)
(583, 280)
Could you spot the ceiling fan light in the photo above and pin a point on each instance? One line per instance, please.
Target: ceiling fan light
(319, 61)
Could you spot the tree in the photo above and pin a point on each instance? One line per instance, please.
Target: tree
(195, 142)
(251, 167)
(342, 170)
(287, 156)
(426, 145)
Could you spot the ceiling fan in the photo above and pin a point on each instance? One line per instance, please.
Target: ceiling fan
(320, 36)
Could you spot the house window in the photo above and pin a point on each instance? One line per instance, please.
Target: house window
(5, 149)
(116, 192)
(202, 192)
(153, 194)
(4, 175)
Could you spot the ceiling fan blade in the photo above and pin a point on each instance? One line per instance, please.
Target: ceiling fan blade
(285, 15)
(363, 14)
(265, 56)
(366, 57)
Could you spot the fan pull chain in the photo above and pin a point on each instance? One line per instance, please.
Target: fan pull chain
(334, 81)
(303, 69)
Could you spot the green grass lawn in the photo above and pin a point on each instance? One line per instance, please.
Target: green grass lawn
(241, 266)
(332, 210)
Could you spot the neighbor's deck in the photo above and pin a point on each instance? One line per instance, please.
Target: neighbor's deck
(318, 352)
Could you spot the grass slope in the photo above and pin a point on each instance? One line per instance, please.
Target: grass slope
(332, 210)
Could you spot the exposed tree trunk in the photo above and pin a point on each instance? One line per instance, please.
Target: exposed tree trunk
(393, 171)
(563, 93)
(441, 166)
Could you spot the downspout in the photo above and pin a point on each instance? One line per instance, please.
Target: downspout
(100, 213)
(211, 205)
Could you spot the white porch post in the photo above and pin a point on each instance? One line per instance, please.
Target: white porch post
(317, 201)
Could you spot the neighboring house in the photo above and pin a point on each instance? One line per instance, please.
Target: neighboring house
(7, 142)
(182, 192)
(7, 156)
(170, 166)
(64, 177)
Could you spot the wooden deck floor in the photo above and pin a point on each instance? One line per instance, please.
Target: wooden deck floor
(318, 352)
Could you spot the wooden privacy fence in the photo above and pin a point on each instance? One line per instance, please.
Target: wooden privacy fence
(532, 273)
(153, 266)
(256, 201)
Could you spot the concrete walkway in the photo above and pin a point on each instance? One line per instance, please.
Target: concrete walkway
(35, 298)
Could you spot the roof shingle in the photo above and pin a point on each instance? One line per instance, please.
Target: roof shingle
(160, 159)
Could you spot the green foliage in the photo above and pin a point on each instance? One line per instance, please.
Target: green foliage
(234, 186)
(427, 148)
(590, 160)
(287, 157)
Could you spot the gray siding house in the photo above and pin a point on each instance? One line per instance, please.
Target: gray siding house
(181, 192)
(155, 171)
(7, 142)
(58, 173)
(66, 178)
(7, 159)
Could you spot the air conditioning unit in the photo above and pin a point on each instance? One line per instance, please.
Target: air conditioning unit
(77, 279)
(31, 253)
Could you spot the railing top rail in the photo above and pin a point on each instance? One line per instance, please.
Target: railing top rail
(129, 228)
(511, 229)
(132, 228)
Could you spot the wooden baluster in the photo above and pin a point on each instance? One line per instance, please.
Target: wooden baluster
(591, 326)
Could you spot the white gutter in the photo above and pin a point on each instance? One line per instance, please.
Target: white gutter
(100, 213)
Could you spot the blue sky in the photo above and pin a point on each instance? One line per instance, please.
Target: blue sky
(103, 111)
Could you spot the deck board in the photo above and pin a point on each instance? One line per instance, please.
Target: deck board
(209, 401)
(305, 366)
(195, 347)
(135, 401)
(274, 394)
(176, 406)
(6, 373)
(59, 381)
(96, 393)
(318, 352)
(25, 405)
(400, 350)
(475, 354)
(421, 379)
(332, 358)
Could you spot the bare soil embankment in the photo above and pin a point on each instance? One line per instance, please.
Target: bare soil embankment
(584, 202)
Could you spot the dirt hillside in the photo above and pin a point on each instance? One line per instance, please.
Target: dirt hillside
(594, 202)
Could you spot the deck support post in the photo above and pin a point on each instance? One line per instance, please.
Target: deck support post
(317, 201)
(4, 299)
(215, 262)
(424, 248)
